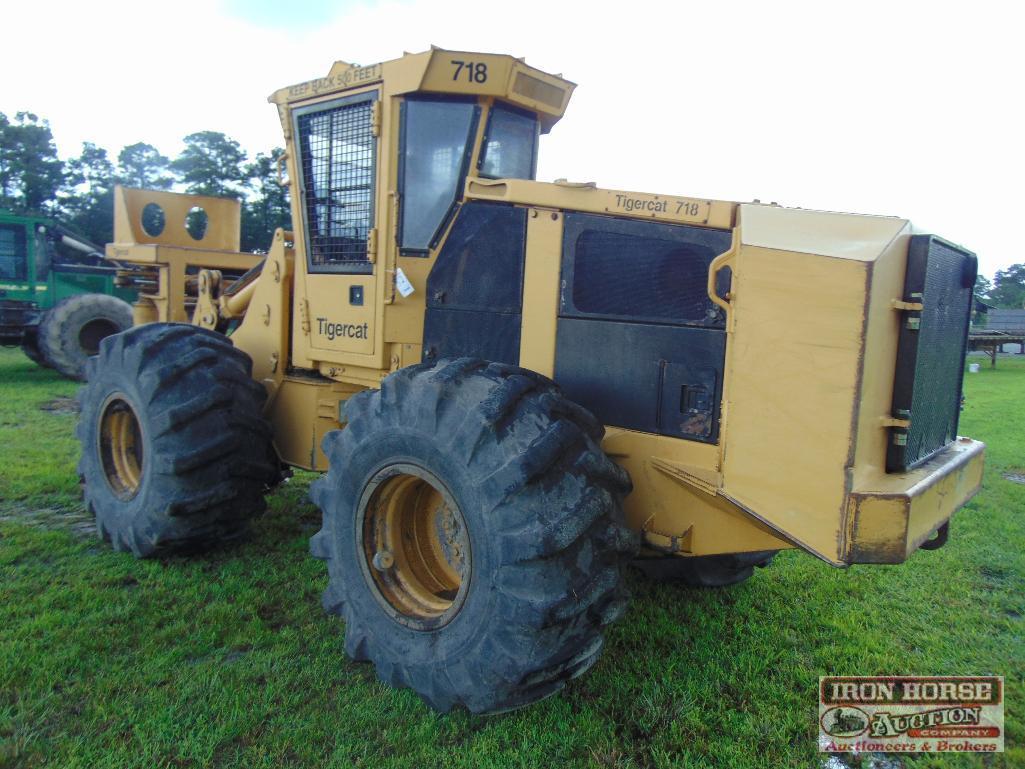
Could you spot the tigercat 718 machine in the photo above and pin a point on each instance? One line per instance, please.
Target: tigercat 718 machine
(515, 387)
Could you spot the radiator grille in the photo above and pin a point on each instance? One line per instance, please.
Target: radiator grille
(931, 350)
(338, 181)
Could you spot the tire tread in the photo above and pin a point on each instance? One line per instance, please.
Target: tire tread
(557, 503)
(209, 450)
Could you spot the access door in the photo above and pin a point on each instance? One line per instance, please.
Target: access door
(337, 150)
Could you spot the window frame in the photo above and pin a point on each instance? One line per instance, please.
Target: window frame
(15, 228)
(464, 170)
(495, 106)
(354, 268)
(44, 252)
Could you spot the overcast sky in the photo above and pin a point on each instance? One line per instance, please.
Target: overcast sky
(911, 109)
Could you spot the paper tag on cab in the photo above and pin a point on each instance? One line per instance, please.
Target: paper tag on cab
(402, 283)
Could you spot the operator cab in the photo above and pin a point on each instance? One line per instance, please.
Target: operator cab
(381, 157)
(437, 152)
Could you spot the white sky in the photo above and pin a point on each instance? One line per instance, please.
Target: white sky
(913, 109)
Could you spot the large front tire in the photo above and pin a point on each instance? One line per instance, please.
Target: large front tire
(175, 452)
(474, 534)
(71, 332)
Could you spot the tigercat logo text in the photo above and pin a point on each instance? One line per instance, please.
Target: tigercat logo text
(642, 204)
(334, 330)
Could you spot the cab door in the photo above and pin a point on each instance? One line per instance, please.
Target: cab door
(338, 153)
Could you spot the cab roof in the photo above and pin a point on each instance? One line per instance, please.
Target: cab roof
(441, 71)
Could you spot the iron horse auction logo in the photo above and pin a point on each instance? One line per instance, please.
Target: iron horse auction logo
(844, 722)
(911, 714)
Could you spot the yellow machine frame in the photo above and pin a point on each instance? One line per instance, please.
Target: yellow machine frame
(800, 460)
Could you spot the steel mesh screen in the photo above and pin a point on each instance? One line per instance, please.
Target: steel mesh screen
(623, 274)
(338, 179)
(930, 365)
(639, 271)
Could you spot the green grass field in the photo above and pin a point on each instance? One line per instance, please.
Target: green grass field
(227, 660)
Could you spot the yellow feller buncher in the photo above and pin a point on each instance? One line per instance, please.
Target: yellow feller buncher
(515, 387)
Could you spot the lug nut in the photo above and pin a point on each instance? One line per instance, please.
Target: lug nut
(383, 560)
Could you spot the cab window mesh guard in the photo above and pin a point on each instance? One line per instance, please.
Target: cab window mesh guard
(337, 146)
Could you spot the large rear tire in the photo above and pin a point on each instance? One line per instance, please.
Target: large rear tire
(474, 534)
(71, 332)
(30, 344)
(175, 452)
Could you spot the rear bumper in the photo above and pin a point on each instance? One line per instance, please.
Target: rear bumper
(890, 522)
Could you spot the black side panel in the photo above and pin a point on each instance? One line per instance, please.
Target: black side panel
(493, 336)
(639, 342)
(475, 289)
(931, 352)
(658, 379)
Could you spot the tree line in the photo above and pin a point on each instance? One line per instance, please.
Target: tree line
(1006, 290)
(79, 192)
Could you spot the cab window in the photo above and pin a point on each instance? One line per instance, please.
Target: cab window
(510, 145)
(13, 259)
(437, 137)
(338, 152)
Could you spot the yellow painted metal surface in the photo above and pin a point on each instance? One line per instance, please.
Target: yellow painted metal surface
(811, 326)
(303, 409)
(442, 71)
(173, 295)
(904, 510)
(541, 270)
(265, 327)
(223, 219)
(882, 327)
(592, 199)
(811, 344)
(790, 384)
(676, 503)
(825, 233)
(163, 265)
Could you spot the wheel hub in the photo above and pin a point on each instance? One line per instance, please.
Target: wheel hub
(121, 452)
(416, 549)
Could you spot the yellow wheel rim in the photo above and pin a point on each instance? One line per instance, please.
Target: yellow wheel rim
(120, 447)
(416, 549)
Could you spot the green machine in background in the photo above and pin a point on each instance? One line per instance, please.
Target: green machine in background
(57, 293)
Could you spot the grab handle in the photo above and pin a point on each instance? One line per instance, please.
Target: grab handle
(717, 265)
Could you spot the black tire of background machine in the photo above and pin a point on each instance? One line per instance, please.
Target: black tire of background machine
(543, 511)
(705, 570)
(30, 344)
(207, 452)
(71, 330)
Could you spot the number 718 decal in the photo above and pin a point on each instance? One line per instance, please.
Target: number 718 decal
(475, 71)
